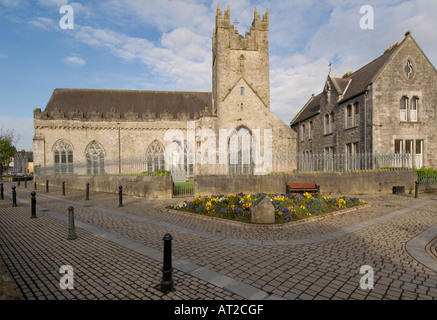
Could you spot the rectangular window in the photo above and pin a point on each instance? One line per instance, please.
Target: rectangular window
(327, 124)
(311, 130)
(349, 117)
(332, 122)
(399, 146)
(403, 109)
(413, 109)
(418, 159)
(357, 115)
(242, 91)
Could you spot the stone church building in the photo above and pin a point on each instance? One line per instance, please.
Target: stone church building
(388, 107)
(202, 132)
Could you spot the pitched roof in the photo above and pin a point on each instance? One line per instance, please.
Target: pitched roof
(122, 101)
(311, 108)
(351, 85)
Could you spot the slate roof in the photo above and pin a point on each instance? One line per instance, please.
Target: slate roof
(355, 84)
(122, 101)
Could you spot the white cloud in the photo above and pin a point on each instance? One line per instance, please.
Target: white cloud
(3, 56)
(44, 23)
(186, 63)
(75, 61)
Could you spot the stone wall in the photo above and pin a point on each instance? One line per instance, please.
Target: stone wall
(353, 183)
(349, 183)
(152, 187)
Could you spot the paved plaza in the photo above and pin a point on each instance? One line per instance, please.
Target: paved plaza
(118, 252)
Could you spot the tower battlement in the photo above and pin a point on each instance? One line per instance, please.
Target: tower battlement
(251, 39)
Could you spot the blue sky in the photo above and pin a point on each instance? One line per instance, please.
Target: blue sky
(166, 45)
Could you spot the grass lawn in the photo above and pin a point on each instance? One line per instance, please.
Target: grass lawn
(182, 188)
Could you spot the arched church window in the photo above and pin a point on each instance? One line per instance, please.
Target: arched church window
(95, 158)
(63, 157)
(240, 152)
(181, 157)
(155, 157)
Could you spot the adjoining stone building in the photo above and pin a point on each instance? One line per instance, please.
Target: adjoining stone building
(389, 106)
(93, 126)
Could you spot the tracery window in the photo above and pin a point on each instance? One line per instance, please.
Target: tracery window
(155, 157)
(95, 159)
(240, 152)
(63, 157)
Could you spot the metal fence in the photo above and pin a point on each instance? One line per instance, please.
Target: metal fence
(427, 179)
(277, 163)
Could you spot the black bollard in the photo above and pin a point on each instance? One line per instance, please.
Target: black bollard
(25, 183)
(2, 196)
(34, 185)
(71, 227)
(63, 188)
(87, 195)
(33, 205)
(14, 197)
(120, 196)
(18, 182)
(47, 186)
(167, 282)
(416, 193)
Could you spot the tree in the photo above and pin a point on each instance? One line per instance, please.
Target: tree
(7, 148)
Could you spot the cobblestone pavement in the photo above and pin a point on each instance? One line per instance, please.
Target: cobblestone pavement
(118, 252)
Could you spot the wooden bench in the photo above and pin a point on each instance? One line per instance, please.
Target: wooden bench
(301, 187)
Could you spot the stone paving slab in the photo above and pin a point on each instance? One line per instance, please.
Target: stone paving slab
(275, 262)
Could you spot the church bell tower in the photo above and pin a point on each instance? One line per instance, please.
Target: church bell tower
(238, 58)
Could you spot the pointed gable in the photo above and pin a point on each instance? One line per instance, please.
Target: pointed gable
(350, 86)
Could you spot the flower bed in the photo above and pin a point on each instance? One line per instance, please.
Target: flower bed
(288, 207)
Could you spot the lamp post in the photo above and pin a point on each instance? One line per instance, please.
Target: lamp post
(119, 149)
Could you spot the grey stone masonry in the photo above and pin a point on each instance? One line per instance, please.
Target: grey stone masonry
(388, 106)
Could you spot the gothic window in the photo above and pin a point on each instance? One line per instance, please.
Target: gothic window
(302, 138)
(332, 120)
(240, 148)
(182, 157)
(95, 159)
(409, 110)
(356, 114)
(63, 157)
(414, 107)
(327, 126)
(242, 58)
(403, 108)
(348, 116)
(311, 130)
(155, 157)
(242, 91)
